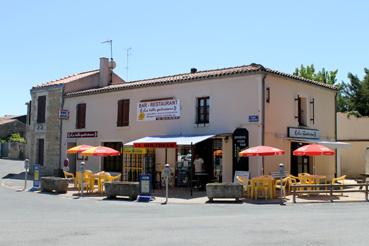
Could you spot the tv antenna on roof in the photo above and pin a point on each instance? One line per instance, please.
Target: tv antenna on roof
(111, 47)
(128, 53)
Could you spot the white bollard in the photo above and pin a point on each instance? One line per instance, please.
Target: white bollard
(82, 169)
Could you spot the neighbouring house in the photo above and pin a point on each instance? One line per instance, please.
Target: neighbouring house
(200, 113)
(8, 126)
(354, 130)
(45, 113)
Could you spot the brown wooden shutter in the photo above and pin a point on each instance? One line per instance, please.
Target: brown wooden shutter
(81, 116)
(41, 109)
(126, 112)
(120, 113)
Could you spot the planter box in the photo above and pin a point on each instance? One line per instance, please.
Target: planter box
(224, 190)
(54, 184)
(122, 188)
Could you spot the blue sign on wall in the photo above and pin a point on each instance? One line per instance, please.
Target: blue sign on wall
(253, 118)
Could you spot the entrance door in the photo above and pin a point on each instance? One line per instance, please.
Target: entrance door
(113, 163)
(240, 141)
(72, 158)
(299, 164)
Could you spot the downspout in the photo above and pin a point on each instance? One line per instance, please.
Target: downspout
(263, 113)
(335, 134)
(61, 131)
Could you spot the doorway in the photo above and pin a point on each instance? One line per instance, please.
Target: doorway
(113, 163)
(299, 164)
(40, 151)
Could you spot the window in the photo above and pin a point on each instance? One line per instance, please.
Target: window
(41, 107)
(81, 116)
(113, 163)
(202, 111)
(302, 111)
(123, 112)
(40, 151)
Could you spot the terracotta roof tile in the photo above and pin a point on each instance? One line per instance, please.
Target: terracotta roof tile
(67, 79)
(200, 75)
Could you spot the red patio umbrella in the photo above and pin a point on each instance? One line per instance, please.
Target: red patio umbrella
(78, 149)
(100, 151)
(261, 151)
(313, 150)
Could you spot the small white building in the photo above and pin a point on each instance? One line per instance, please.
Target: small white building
(223, 110)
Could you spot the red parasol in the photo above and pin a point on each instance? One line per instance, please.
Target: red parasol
(78, 149)
(261, 151)
(312, 150)
(100, 151)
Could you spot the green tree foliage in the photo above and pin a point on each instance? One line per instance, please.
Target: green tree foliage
(16, 137)
(356, 93)
(324, 76)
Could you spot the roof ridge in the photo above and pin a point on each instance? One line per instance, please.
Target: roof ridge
(197, 72)
(62, 78)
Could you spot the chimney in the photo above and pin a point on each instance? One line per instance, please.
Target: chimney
(193, 70)
(105, 72)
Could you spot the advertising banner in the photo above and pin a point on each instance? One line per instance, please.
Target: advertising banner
(164, 109)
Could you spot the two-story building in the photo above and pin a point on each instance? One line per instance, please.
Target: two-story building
(45, 114)
(211, 114)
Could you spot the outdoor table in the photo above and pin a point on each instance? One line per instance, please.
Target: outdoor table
(318, 179)
(365, 176)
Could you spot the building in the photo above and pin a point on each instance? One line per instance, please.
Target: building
(45, 114)
(174, 118)
(12, 124)
(355, 160)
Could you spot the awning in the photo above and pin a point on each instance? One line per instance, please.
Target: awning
(179, 140)
(330, 144)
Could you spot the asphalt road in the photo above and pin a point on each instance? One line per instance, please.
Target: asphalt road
(28, 218)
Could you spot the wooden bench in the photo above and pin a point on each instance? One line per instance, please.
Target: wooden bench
(327, 188)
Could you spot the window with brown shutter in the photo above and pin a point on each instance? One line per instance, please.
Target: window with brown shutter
(81, 116)
(202, 111)
(123, 112)
(41, 107)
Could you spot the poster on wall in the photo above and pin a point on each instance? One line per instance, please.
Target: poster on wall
(163, 109)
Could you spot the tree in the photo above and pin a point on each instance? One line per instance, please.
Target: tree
(356, 93)
(324, 76)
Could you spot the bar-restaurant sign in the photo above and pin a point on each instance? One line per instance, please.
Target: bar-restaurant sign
(134, 151)
(155, 145)
(294, 132)
(160, 109)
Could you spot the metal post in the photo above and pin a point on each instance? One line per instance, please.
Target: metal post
(82, 169)
(281, 173)
(191, 168)
(26, 167)
(166, 173)
(366, 191)
(294, 193)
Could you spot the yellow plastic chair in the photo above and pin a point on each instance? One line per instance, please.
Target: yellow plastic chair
(264, 185)
(90, 180)
(115, 178)
(339, 180)
(245, 182)
(278, 186)
(305, 180)
(86, 181)
(70, 176)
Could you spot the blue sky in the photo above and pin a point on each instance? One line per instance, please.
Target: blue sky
(45, 40)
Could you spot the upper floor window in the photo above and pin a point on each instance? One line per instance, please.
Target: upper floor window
(202, 111)
(81, 116)
(41, 109)
(123, 112)
(302, 111)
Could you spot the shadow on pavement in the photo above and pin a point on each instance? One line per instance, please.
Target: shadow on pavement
(19, 176)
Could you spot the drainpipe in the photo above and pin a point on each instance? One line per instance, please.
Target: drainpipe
(61, 129)
(335, 137)
(263, 113)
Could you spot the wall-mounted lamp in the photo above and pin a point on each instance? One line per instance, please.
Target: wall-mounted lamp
(267, 96)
